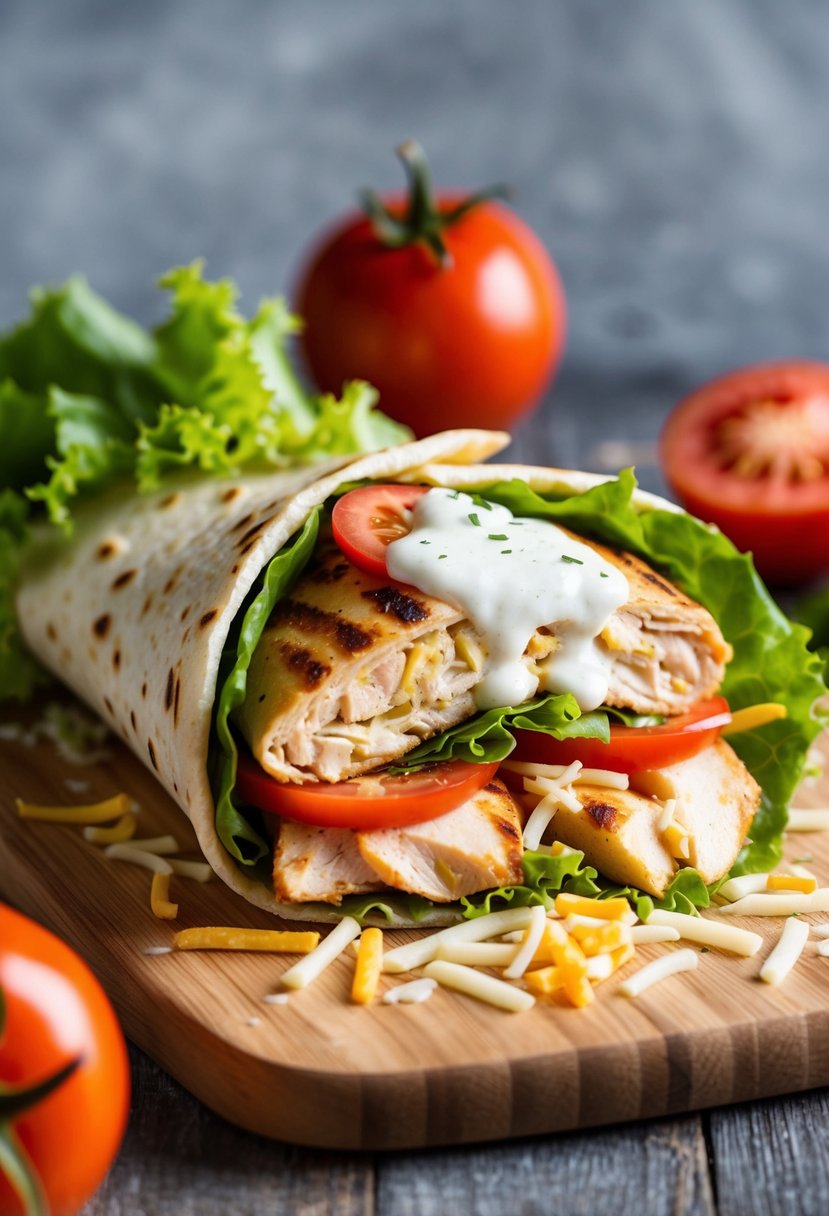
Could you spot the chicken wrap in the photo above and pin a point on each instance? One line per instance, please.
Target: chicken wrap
(330, 706)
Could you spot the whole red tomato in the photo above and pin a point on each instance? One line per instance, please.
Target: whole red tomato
(750, 453)
(451, 307)
(59, 1028)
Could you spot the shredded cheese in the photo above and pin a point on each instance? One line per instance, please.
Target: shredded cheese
(585, 905)
(602, 938)
(539, 821)
(223, 937)
(677, 840)
(478, 954)
(708, 932)
(94, 812)
(659, 969)
(558, 788)
(545, 981)
(569, 957)
(481, 987)
(198, 870)
(786, 953)
(791, 882)
(600, 967)
(821, 930)
(753, 716)
(160, 902)
(532, 939)
(584, 776)
(667, 816)
(137, 857)
(823, 948)
(368, 967)
(121, 831)
(746, 884)
(779, 905)
(641, 935)
(417, 953)
(312, 966)
(813, 819)
(412, 993)
(157, 844)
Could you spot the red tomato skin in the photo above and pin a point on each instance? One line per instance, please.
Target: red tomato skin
(631, 749)
(785, 526)
(472, 344)
(366, 519)
(335, 805)
(56, 1010)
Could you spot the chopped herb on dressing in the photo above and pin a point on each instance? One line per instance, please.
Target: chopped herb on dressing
(473, 519)
(576, 561)
(498, 536)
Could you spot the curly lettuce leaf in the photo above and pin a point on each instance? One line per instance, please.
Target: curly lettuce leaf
(88, 397)
(488, 736)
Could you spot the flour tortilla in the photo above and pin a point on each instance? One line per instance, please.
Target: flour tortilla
(133, 612)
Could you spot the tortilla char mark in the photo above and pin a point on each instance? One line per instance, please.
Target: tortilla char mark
(307, 618)
(301, 661)
(396, 603)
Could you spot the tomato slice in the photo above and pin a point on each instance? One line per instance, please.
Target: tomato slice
(378, 800)
(366, 520)
(632, 748)
(750, 453)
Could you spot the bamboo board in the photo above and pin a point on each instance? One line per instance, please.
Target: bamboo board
(320, 1071)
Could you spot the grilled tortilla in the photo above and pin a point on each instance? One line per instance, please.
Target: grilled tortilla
(133, 613)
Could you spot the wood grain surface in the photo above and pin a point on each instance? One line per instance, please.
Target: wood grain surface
(320, 1071)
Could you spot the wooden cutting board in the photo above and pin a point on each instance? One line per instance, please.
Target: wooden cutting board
(320, 1071)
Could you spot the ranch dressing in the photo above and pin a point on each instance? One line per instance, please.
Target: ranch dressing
(509, 576)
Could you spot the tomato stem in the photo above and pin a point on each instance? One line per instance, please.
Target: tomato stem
(14, 1102)
(17, 1169)
(422, 221)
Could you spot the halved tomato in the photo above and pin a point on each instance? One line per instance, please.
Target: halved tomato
(750, 453)
(366, 520)
(378, 800)
(632, 748)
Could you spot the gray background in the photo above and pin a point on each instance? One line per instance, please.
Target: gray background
(671, 155)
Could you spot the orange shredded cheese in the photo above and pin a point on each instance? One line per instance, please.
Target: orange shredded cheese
(94, 812)
(584, 905)
(277, 941)
(160, 901)
(368, 967)
(121, 831)
(791, 882)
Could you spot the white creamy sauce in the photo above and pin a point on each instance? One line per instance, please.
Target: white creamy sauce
(509, 576)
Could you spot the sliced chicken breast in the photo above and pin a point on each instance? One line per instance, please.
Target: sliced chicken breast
(716, 800)
(474, 847)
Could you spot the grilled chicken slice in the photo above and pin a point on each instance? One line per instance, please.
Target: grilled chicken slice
(618, 832)
(716, 800)
(474, 847)
(352, 672)
(319, 864)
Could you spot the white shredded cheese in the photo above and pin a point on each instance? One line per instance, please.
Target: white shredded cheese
(275, 998)
(585, 776)
(526, 951)
(482, 987)
(76, 785)
(821, 930)
(667, 816)
(199, 870)
(708, 932)
(823, 948)
(811, 819)
(746, 884)
(253, 1022)
(558, 789)
(138, 857)
(313, 964)
(156, 844)
(539, 821)
(786, 953)
(659, 969)
(783, 904)
(412, 993)
(479, 954)
(152, 950)
(641, 935)
(417, 953)
(599, 967)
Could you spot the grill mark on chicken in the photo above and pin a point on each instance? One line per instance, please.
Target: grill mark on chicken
(349, 638)
(304, 664)
(603, 815)
(393, 601)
